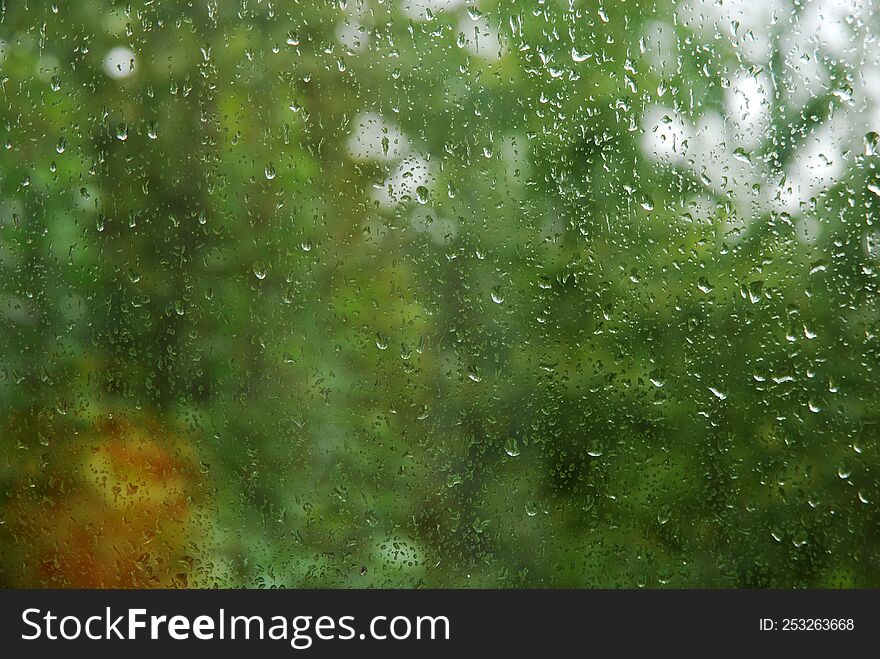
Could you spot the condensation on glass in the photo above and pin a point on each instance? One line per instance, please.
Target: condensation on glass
(441, 293)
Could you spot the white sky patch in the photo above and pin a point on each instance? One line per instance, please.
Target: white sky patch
(357, 8)
(804, 76)
(817, 165)
(666, 135)
(417, 9)
(712, 157)
(745, 22)
(412, 173)
(869, 90)
(120, 63)
(375, 138)
(830, 24)
(866, 94)
(661, 47)
(725, 150)
(354, 36)
(480, 38)
(748, 104)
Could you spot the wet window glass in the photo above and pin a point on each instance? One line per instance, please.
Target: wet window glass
(439, 293)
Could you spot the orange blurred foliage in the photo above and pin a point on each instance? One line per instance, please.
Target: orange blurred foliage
(117, 509)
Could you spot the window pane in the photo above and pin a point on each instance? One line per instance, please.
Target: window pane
(439, 293)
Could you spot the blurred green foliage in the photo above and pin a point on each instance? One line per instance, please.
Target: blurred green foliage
(535, 361)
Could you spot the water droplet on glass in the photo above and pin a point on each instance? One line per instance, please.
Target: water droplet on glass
(755, 289)
(578, 56)
(381, 341)
(871, 139)
(742, 155)
(720, 395)
(422, 194)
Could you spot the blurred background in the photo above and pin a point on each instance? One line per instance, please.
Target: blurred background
(439, 293)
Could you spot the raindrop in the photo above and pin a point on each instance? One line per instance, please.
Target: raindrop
(119, 63)
(720, 395)
(422, 194)
(871, 139)
(742, 155)
(580, 56)
(755, 289)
